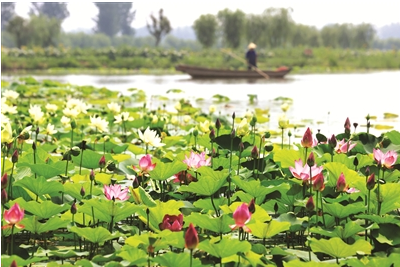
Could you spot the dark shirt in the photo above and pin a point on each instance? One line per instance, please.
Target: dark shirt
(251, 57)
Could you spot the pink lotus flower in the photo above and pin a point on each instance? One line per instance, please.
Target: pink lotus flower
(387, 159)
(343, 146)
(145, 165)
(13, 216)
(191, 237)
(303, 172)
(172, 222)
(241, 216)
(308, 141)
(114, 192)
(195, 160)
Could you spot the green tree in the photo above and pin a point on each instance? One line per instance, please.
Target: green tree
(330, 36)
(44, 31)
(159, 27)
(50, 9)
(345, 35)
(18, 28)
(304, 35)
(205, 28)
(256, 29)
(232, 24)
(279, 26)
(7, 12)
(364, 35)
(114, 18)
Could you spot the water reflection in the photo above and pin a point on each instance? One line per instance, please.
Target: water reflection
(321, 101)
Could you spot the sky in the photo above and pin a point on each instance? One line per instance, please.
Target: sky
(184, 12)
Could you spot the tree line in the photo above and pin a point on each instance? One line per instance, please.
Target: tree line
(271, 29)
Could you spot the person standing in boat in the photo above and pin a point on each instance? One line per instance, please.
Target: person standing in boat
(251, 56)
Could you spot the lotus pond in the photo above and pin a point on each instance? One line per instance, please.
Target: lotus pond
(94, 178)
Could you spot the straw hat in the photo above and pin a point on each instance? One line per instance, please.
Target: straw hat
(252, 46)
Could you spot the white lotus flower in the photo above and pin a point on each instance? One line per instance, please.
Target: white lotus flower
(100, 124)
(178, 106)
(6, 133)
(77, 104)
(71, 113)
(50, 129)
(212, 109)
(51, 108)
(174, 120)
(124, 116)
(114, 107)
(149, 137)
(36, 114)
(154, 119)
(283, 121)
(11, 95)
(4, 119)
(7, 109)
(186, 118)
(65, 121)
(243, 128)
(205, 126)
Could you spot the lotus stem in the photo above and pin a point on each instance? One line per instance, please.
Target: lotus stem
(12, 240)
(215, 209)
(191, 257)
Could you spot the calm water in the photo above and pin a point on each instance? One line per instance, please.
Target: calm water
(324, 99)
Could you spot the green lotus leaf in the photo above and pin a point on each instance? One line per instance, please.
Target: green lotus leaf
(339, 211)
(335, 247)
(391, 197)
(269, 229)
(287, 157)
(7, 260)
(164, 171)
(90, 159)
(245, 258)
(394, 137)
(74, 190)
(386, 218)
(146, 198)
(47, 170)
(208, 183)
(336, 168)
(389, 233)
(40, 186)
(219, 225)
(225, 247)
(97, 235)
(104, 209)
(225, 141)
(133, 255)
(298, 263)
(43, 210)
(349, 229)
(253, 187)
(206, 204)
(171, 259)
(68, 253)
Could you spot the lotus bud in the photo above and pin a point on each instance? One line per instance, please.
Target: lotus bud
(14, 264)
(332, 141)
(254, 152)
(4, 196)
(355, 124)
(310, 206)
(83, 145)
(195, 132)
(253, 121)
(92, 175)
(14, 157)
(318, 184)
(267, 135)
(191, 237)
(212, 135)
(341, 183)
(241, 147)
(307, 140)
(311, 160)
(289, 133)
(347, 126)
(218, 124)
(34, 146)
(371, 182)
(4, 180)
(106, 138)
(75, 151)
(82, 192)
(367, 171)
(233, 115)
(73, 124)
(252, 206)
(73, 208)
(102, 162)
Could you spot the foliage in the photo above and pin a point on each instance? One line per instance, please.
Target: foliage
(243, 215)
(7, 12)
(205, 28)
(55, 10)
(159, 27)
(232, 24)
(114, 18)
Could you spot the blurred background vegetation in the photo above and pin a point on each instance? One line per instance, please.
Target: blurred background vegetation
(114, 44)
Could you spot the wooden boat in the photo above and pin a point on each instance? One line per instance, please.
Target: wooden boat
(209, 73)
